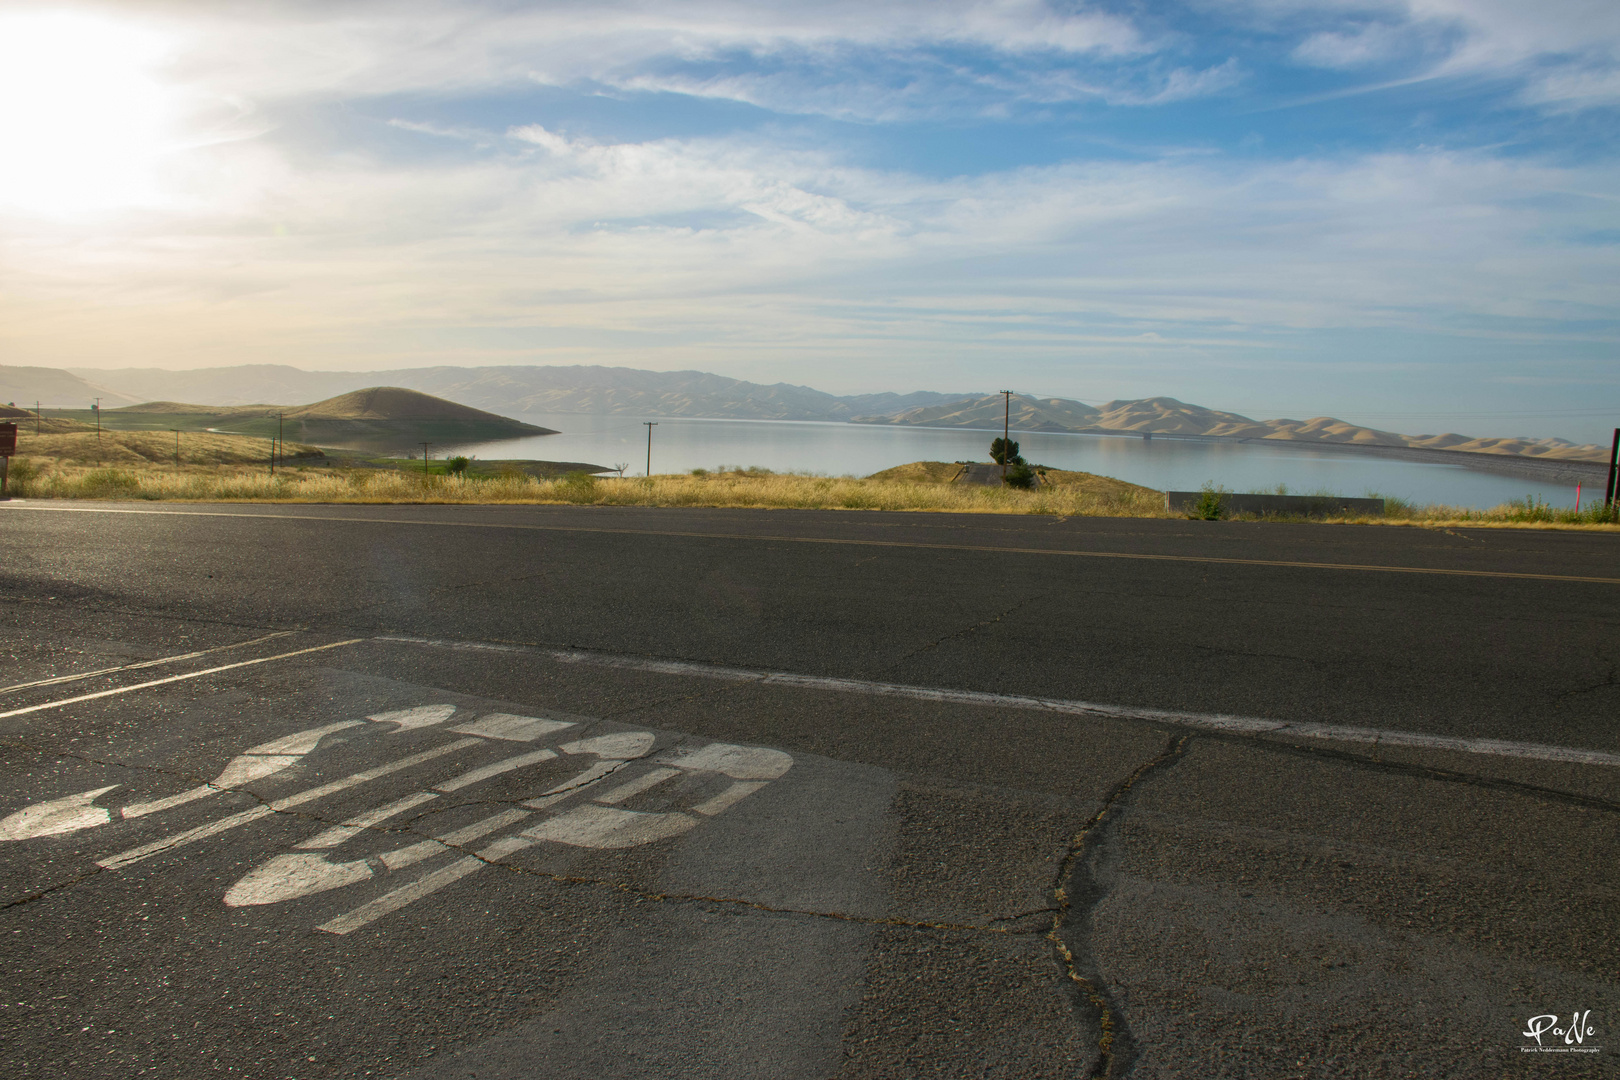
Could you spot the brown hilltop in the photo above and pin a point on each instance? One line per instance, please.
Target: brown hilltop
(372, 403)
(391, 403)
(389, 416)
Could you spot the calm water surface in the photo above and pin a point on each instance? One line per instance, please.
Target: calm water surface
(834, 449)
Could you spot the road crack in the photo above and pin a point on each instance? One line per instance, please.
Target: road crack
(41, 893)
(1425, 772)
(1076, 893)
(963, 632)
(1608, 683)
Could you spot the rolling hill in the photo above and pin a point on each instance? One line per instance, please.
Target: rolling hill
(377, 417)
(55, 389)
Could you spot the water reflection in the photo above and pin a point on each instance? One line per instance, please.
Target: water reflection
(837, 449)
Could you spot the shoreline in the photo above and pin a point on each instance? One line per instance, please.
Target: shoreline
(1559, 470)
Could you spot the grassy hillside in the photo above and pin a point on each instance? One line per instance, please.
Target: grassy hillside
(945, 472)
(380, 418)
(152, 448)
(28, 424)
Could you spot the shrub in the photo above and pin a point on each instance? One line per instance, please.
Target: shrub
(577, 487)
(1395, 506)
(21, 476)
(456, 466)
(109, 484)
(1020, 475)
(1210, 505)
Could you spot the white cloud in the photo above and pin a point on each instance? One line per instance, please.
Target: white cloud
(1565, 53)
(659, 253)
(843, 58)
(396, 48)
(1371, 43)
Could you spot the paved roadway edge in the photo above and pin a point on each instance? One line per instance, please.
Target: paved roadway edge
(1240, 725)
(830, 540)
(174, 679)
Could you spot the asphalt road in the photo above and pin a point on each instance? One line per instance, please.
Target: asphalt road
(591, 792)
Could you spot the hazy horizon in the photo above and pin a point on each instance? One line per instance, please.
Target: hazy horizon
(1395, 212)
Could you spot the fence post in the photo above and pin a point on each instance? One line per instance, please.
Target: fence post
(1614, 466)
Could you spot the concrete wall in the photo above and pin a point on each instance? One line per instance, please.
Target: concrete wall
(1184, 501)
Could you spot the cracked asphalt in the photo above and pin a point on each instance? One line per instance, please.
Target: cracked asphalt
(593, 792)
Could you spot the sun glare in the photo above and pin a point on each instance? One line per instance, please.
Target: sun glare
(84, 121)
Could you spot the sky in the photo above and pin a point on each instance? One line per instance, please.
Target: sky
(1402, 213)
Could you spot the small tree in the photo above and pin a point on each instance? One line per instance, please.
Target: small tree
(1210, 505)
(1005, 452)
(456, 465)
(1021, 475)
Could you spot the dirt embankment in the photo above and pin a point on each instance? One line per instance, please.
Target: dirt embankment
(952, 472)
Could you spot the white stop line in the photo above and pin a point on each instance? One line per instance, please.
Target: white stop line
(583, 810)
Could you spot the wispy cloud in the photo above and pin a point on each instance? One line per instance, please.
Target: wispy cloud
(1563, 53)
(1360, 46)
(915, 185)
(699, 242)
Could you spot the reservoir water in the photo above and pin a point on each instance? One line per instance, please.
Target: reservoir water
(836, 449)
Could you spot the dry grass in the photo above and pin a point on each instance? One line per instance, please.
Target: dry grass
(1083, 496)
(62, 480)
(944, 472)
(920, 472)
(28, 424)
(144, 448)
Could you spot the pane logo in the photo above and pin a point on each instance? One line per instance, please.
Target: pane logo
(1553, 1035)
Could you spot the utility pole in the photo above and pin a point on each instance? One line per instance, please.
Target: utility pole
(1006, 429)
(281, 434)
(98, 419)
(425, 457)
(37, 415)
(649, 425)
(176, 446)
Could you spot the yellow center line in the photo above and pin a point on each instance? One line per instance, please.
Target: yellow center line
(850, 542)
(174, 678)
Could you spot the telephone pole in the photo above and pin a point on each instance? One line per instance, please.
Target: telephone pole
(650, 424)
(425, 457)
(98, 419)
(176, 446)
(37, 416)
(1006, 429)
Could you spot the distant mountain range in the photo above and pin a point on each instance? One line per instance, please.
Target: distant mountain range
(521, 390)
(1167, 416)
(507, 390)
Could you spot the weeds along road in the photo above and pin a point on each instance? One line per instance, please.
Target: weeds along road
(518, 791)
